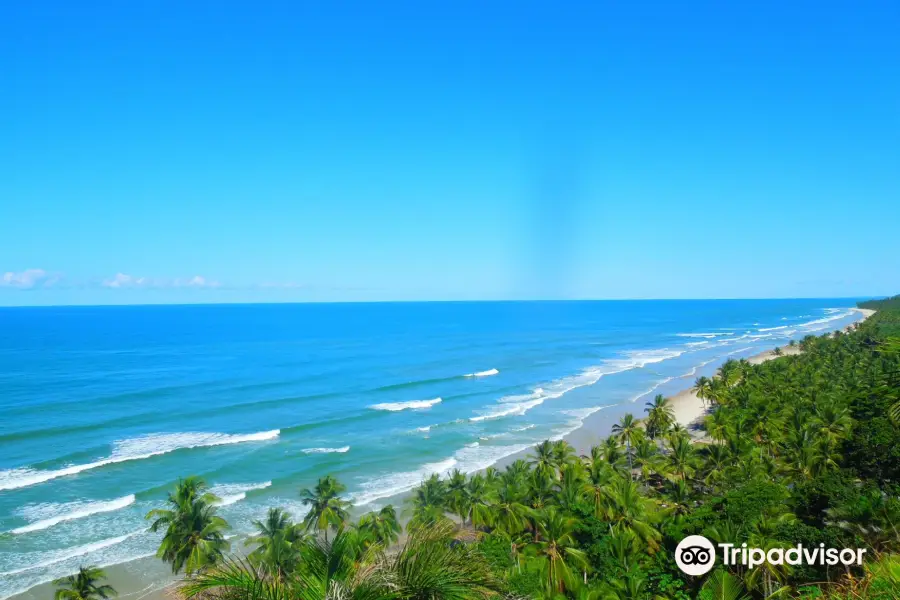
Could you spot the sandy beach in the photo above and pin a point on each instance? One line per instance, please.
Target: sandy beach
(689, 409)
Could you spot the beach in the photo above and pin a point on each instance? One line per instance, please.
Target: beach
(490, 413)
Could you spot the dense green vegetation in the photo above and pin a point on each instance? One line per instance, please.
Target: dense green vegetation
(801, 449)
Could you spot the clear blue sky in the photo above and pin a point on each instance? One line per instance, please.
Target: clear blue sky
(232, 151)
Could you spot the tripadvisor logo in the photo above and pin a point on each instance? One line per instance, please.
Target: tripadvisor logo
(696, 555)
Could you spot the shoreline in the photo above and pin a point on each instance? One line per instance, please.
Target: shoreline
(688, 408)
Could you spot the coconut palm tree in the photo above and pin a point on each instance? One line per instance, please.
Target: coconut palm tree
(599, 477)
(682, 457)
(383, 525)
(722, 585)
(457, 499)
(627, 510)
(326, 507)
(276, 542)
(612, 453)
(660, 416)
(702, 387)
(631, 587)
(428, 501)
(509, 513)
(84, 585)
(557, 551)
(627, 431)
(647, 458)
(544, 460)
(479, 495)
(194, 534)
(563, 454)
(426, 566)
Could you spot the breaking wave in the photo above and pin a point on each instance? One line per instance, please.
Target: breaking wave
(487, 373)
(48, 515)
(229, 493)
(133, 449)
(412, 404)
(340, 450)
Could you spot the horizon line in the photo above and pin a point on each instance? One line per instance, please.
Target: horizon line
(467, 301)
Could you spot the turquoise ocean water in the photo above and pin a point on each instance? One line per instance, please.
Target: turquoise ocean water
(103, 408)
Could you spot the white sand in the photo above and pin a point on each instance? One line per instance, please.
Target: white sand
(690, 409)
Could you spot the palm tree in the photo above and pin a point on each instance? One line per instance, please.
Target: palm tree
(326, 507)
(276, 542)
(194, 537)
(627, 510)
(428, 502)
(660, 416)
(647, 458)
(383, 525)
(457, 499)
(682, 457)
(702, 387)
(327, 569)
(563, 454)
(596, 488)
(479, 496)
(632, 587)
(722, 585)
(611, 451)
(430, 567)
(557, 551)
(544, 460)
(84, 585)
(510, 514)
(627, 431)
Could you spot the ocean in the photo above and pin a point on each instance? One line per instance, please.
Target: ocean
(102, 409)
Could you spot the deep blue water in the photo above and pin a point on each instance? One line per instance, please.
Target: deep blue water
(103, 408)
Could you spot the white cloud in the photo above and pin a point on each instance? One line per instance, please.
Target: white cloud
(124, 281)
(28, 279)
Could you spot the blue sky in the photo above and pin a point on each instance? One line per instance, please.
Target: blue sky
(282, 151)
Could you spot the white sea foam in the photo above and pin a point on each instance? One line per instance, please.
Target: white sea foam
(44, 516)
(739, 350)
(412, 404)
(133, 449)
(487, 373)
(340, 450)
(637, 359)
(652, 389)
(579, 414)
(520, 404)
(582, 413)
(397, 483)
(425, 429)
(692, 344)
(693, 370)
(508, 409)
(43, 559)
(772, 328)
(468, 460)
(709, 335)
(836, 314)
(229, 493)
(525, 428)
